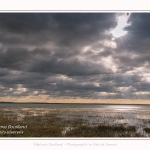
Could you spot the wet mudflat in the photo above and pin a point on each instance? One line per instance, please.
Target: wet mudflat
(79, 121)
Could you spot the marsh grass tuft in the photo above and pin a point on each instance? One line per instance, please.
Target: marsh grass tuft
(103, 131)
(147, 130)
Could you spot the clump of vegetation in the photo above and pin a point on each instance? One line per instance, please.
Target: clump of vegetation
(37, 126)
(147, 130)
(103, 131)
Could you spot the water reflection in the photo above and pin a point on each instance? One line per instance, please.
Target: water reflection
(124, 107)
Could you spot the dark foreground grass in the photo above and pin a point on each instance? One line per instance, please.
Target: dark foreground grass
(147, 130)
(37, 126)
(51, 125)
(103, 131)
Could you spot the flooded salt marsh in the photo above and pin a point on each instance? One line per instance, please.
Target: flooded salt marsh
(91, 115)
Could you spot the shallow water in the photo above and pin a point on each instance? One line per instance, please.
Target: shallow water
(77, 105)
(128, 115)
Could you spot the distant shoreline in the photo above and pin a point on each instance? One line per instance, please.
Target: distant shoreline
(68, 103)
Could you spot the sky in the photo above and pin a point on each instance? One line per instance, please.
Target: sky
(74, 57)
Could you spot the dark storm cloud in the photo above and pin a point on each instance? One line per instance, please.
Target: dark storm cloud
(24, 22)
(134, 50)
(4, 72)
(132, 53)
(139, 25)
(20, 58)
(67, 28)
(72, 54)
(13, 58)
(72, 67)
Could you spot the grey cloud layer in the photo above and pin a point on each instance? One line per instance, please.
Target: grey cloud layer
(71, 54)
